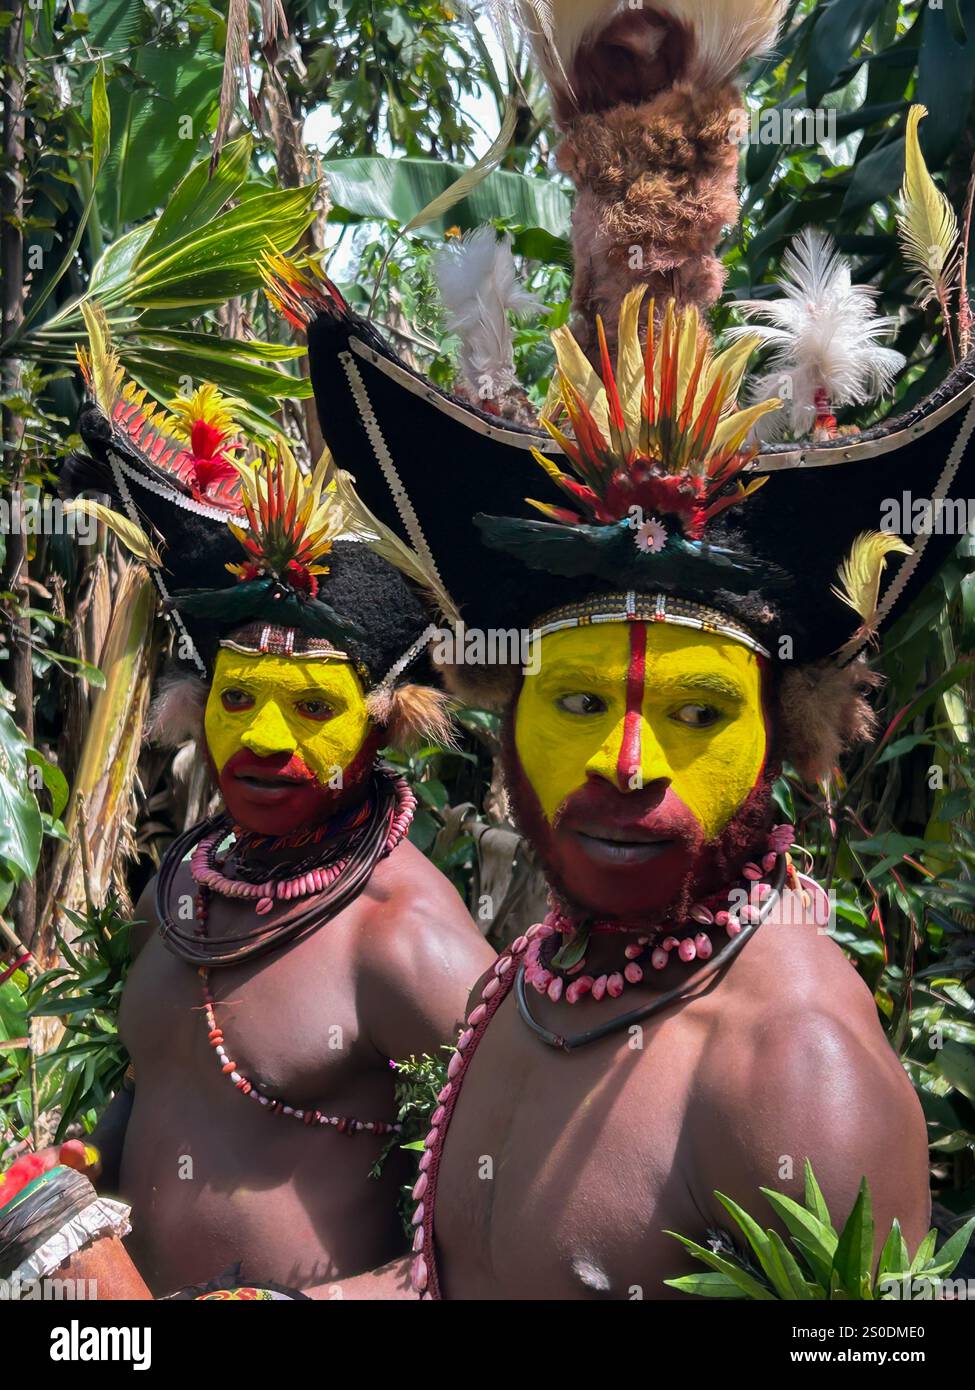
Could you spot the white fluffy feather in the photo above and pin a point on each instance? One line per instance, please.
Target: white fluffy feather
(825, 337)
(479, 287)
(726, 32)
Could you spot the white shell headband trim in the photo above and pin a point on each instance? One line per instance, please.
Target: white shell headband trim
(650, 608)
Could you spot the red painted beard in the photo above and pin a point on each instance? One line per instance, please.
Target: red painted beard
(663, 862)
(280, 794)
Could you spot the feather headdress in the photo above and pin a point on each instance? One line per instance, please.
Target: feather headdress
(479, 288)
(717, 35)
(192, 443)
(662, 434)
(826, 338)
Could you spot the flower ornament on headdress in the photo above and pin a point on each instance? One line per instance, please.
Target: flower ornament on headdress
(292, 519)
(206, 422)
(656, 452)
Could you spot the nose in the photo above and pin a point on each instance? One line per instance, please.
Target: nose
(268, 732)
(631, 758)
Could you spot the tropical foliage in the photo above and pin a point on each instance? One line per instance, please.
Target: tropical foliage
(107, 198)
(818, 1262)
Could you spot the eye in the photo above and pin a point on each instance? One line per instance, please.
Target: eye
(236, 700)
(581, 702)
(315, 709)
(696, 716)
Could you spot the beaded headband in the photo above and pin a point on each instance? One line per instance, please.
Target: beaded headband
(268, 639)
(633, 607)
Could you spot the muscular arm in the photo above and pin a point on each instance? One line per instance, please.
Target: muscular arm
(817, 1086)
(421, 955)
(391, 1282)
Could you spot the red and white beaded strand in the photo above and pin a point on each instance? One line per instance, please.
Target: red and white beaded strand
(653, 949)
(300, 886)
(264, 895)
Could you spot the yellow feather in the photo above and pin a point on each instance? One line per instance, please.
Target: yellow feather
(106, 371)
(861, 571)
(131, 536)
(629, 364)
(732, 431)
(576, 368)
(927, 222)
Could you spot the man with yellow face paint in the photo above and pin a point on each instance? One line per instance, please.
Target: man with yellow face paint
(296, 941)
(679, 1023)
(640, 748)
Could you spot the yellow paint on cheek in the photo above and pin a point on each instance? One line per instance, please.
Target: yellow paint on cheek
(711, 769)
(275, 721)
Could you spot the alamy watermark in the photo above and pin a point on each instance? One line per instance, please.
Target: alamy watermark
(924, 516)
(493, 646)
(45, 516)
(775, 125)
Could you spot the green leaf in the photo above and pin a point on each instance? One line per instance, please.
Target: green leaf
(895, 1258)
(945, 65)
(818, 1235)
(199, 198)
(54, 780)
(853, 1261)
(21, 830)
(946, 1259)
(760, 1244)
(876, 177)
(957, 1065)
(924, 1252)
(395, 190)
(750, 1287)
(101, 123)
(161, 111)
(213, 265)
(835, 38)
(114, 266)
(789, 1271)
(814, 1199)
(706, 1285)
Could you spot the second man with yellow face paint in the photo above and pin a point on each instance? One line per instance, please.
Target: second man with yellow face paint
(295, 941)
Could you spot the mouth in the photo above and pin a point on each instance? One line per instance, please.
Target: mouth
(630, 845)
(263, 780)
(266, 778)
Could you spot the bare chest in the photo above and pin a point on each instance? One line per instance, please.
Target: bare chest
(563, 1170)
(289, 1019)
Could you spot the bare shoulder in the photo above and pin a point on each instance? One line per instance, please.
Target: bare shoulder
(145, 920)
(797, 1066)
(419, 954)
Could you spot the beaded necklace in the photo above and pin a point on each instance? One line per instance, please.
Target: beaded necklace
(301, 881)
(558, 970)
(337, 875)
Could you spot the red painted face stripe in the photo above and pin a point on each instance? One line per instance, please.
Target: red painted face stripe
(630, 757)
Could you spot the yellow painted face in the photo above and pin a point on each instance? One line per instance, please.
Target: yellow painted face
(635, 704)
(271, 706)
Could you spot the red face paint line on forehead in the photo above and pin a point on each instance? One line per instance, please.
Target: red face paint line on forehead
(630, 756)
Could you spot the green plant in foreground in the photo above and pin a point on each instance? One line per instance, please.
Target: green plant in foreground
(81, 1074)
(828, 1265)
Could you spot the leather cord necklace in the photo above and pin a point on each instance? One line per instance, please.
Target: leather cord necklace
(683, 991)
(370, 844)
